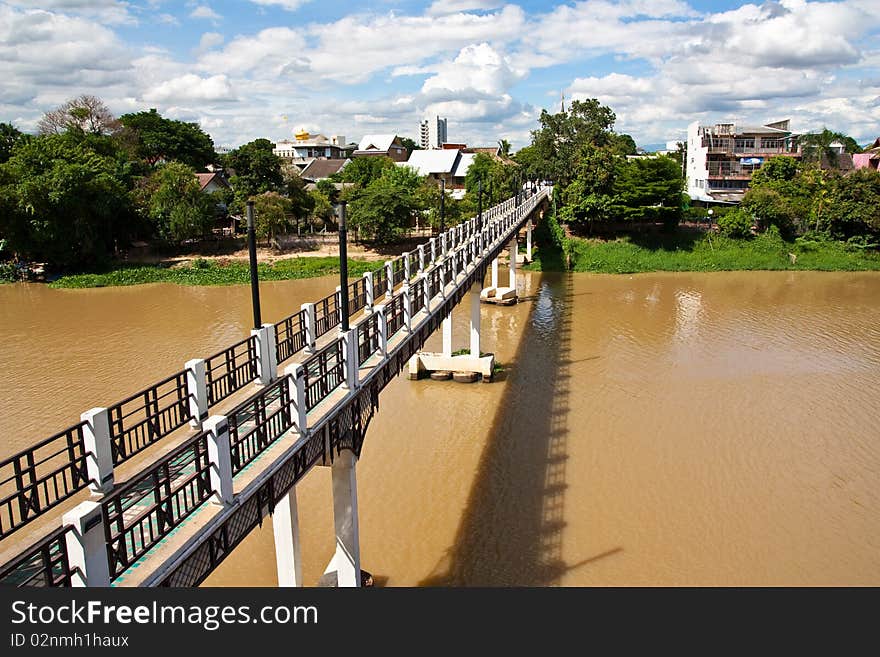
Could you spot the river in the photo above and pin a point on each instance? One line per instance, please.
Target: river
(662, 429)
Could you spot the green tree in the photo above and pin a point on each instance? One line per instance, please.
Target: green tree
(158, 139)
(410, 145)
(257, 170)
(816, 147)
(504, 148)
(623, 144)
(363, 170)
(387, 205)
(648, 189)
(301, 202)
(10, 137)
(177, 206)
(62, 202)
(853, 205)
(273, 215)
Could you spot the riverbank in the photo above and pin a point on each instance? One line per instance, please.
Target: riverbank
(698, 251)
(222, 271)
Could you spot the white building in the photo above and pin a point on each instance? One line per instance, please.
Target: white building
(449, 165)
(721, 158)
(306, 148)
(432, 133)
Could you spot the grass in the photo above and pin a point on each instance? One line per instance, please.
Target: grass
(697, 251)
(205, 272)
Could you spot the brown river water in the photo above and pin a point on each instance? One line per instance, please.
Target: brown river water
(662, 429)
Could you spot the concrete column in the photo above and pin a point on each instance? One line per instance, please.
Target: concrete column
(407, 307)
(421, 258)
(382, 323)
(298, 407)
(267, 366)
(511, 271)
(197, 385)
(345, 520)
(447, 335)
(220, 458)
(368, 286)
(406, 271)
(285, 525)
(99, 453)
(529, 240)
(310, 326)
(475, 319)
(389, 276)
(350, 357)
(86, 549)
(495, 273)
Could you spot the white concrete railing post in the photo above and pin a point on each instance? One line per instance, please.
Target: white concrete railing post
(267, 365)
(369, 291)
(407, 307)
(443, 247)
(389, 277)
(197, 387)
(350, 359)
(298, 404)
(99, 452)
(433, 243)
(382, 328)
(288, 553)
(309, 326)
(426, 292)
(86, 547)
(220, 458)
(406, 271)
(421, 258)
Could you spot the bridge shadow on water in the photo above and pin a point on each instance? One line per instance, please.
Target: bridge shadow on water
(512, 528)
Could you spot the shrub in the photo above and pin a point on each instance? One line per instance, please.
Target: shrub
(736, 223)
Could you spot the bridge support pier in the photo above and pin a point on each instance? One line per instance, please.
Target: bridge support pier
(475, 319)
(285, 525)
(529, 241)
(447, 335)
(347, 559)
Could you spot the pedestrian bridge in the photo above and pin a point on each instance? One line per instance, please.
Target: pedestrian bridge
(292, 395)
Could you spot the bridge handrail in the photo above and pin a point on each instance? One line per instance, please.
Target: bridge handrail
(323, 372)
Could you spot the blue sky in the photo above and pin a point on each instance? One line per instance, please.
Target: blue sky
(263, 68)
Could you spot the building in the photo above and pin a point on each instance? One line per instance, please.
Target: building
(432, 132)
(721, 158)
(442, 164)
(870, 158)
(212, 182)
(322, 169)
(382, 145)
(305, 148)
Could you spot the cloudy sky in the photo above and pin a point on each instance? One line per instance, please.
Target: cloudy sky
(263, 68)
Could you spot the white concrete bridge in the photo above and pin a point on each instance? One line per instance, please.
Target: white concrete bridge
(171, 522)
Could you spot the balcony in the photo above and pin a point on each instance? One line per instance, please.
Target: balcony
(731, 170)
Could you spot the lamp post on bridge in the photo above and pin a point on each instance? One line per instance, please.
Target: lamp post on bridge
(343, 265)
(252, 256)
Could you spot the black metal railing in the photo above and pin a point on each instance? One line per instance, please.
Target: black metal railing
(413, 258)
(40, 477)
(324, 372)
(434, 282)
(44, 564)
(231, 369)
(357, 296)
(327, 314)
(368, 338)
(145, 510)
(417, 294)
(290, 336)
(143, 418)
(380, 282)
(258, 422)
(395, 315)
(397, 271)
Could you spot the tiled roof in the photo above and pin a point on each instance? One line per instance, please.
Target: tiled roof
(320, 169)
